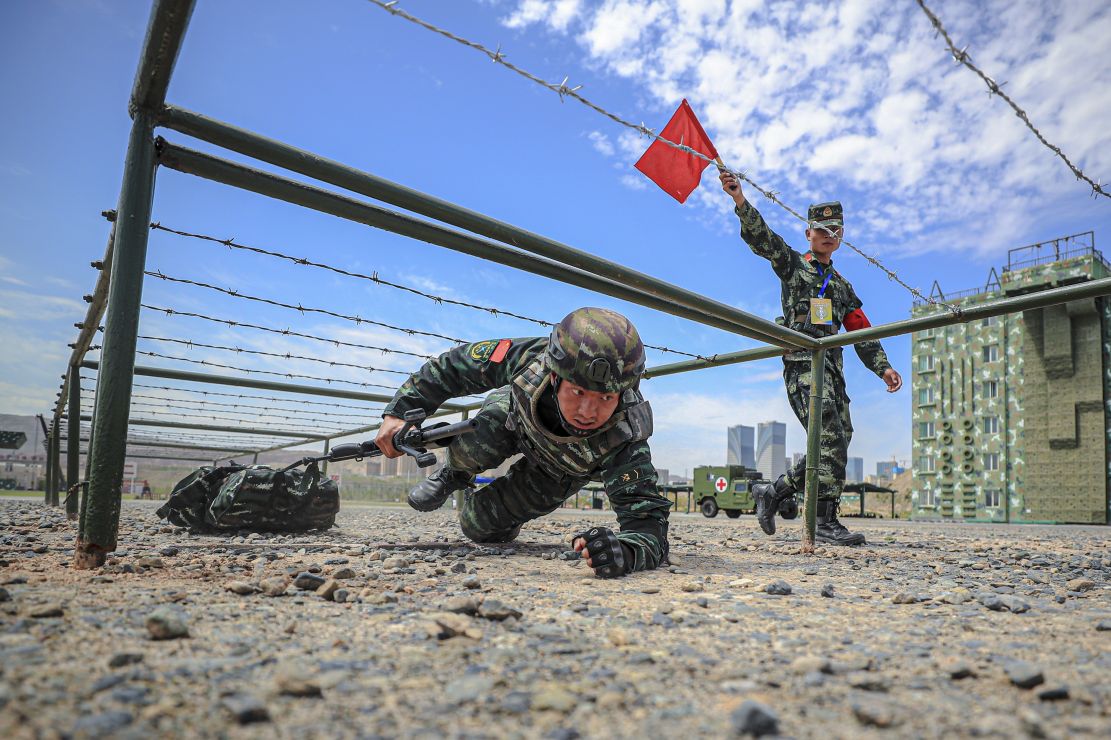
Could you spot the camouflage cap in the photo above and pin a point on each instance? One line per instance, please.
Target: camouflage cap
(597, 349)
(826, 214)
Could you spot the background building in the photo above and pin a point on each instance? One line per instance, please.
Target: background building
(741, 446)
(1010, 417)
(771, 449)
(854, 470)
(887, 469)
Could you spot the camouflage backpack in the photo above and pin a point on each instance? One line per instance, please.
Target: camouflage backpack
(255, 498)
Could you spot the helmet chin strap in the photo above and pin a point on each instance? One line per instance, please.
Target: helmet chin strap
(568, 426)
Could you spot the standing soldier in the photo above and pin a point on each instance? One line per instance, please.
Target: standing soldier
(570, 404)
(817, 301)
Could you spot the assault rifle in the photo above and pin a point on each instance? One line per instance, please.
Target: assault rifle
(412, 440)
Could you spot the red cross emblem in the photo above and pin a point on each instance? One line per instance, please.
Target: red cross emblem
(720, 485)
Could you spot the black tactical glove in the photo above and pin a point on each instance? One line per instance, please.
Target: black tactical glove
(789, 507)
(606, 552)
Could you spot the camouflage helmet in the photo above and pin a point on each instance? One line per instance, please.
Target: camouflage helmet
(597, 349)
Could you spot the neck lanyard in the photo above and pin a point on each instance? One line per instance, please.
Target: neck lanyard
(828, 273)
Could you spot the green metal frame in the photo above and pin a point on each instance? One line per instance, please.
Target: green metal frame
(119, 289)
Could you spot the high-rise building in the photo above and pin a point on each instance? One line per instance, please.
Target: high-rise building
(885, 469)
(741, 450)
(796, 458)
(854, 470)
(1011, 418)
(771, 449)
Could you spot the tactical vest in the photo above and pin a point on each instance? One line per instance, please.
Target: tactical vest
(560, 456)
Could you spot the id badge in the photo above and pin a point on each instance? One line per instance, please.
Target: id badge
(821, 311)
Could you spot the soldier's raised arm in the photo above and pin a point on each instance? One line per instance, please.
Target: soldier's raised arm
(757, 234)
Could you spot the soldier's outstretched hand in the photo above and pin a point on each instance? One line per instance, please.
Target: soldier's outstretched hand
(732, 186)
(893, 379)
(602, 551)
(391, 425)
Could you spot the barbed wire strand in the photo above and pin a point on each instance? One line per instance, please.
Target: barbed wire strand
(961, 56)
(218, 415)
(152, 436)
(283, 355)
(498, 57)
(251, 370)
(232, 244)
(150, 414)
(202, 405)
(243, 395)
(285, 332)
(357, 320)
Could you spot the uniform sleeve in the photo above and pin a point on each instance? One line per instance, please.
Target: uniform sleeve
(766, 243)
(630, 482)
(871, 352)
(467, 369)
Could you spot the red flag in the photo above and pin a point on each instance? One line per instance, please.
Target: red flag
(678, 172)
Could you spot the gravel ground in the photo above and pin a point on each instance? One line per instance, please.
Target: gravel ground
(392, 625)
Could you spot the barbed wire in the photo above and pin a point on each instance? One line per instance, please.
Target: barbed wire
(357, 320)
(232, 244)
(191, 437)
(961, 56)
(244, 395)
(498, 57)
(154, 435)
(284, 332)
(252, 370)
(283, 355)
(202, 405)
(183, 411)
(152, 414)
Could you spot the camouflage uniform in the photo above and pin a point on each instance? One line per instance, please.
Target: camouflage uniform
(520, 416)
(801, 276)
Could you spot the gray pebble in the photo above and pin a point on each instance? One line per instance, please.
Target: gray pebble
(165, 623)
(1023, 674)
(755, 719)
(246, 708)
(308, 581)
(778, 588)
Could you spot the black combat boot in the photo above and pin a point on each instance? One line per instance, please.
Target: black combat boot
(832, 531)
(768, 497)
(431, 493)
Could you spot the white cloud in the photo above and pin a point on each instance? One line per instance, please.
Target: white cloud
(601, 143)
(862, 101)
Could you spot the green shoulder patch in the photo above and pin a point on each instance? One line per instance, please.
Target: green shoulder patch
(481, 351)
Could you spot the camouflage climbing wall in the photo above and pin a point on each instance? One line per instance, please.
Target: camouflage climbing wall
(1011, 417)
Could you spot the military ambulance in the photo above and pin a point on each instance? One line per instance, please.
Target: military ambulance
(724, 488)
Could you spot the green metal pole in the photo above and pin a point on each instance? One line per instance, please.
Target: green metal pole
(349, 178)
(113, 398)
(48, 483)
(73, 446)
(813, 444)
(563, 268)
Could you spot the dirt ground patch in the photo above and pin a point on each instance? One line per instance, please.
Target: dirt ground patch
(930, 630)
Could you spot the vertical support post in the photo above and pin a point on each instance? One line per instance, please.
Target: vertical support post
(73, 446)
(458, 495)
(862, 502)
(893, 504)
(324, 467)
(48, 483)
(254, 460)
(813, 444)
(59, 479)
(108, 445)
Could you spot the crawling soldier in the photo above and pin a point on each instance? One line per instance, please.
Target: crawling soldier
(569, 403)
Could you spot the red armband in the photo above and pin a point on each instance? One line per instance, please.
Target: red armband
(856, 320)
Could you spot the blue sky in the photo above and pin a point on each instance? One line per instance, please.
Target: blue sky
(817, 101)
